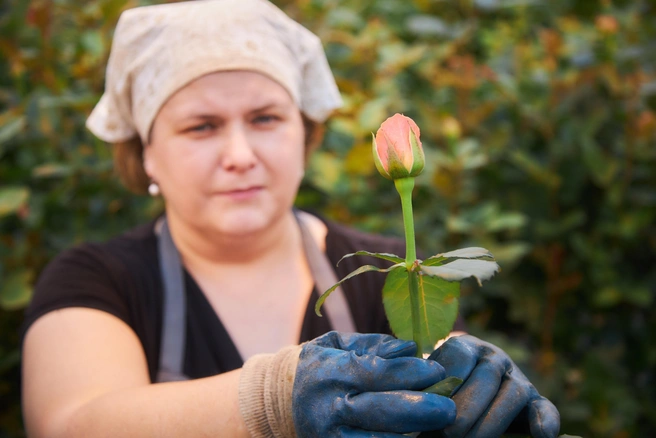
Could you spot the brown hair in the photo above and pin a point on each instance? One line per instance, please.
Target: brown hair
(128, 156)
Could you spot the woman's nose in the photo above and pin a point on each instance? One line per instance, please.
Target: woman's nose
(238, 153)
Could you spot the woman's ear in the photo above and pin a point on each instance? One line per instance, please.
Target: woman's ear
(148, 161)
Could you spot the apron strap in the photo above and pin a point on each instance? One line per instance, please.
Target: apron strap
(174, 323)
(337, 308)
(174, 319)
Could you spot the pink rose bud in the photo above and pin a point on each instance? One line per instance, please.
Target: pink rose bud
(397, 149)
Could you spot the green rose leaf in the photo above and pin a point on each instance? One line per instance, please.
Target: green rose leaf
(463, 253)
(379, 255)
(445, 387)
(360, 270)
(460, 269)
(438, 306)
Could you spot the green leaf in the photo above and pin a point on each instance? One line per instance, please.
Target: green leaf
(438, 306)
(93, 43)
(462, 268)
(506, 221)
(445, 387)
(344, 18)
(463, 253)
(11, 128)
(325, 171)
(436, 260)
(472, 252)
(12, 198)
(536, 170)
(380, 255)
(428, 25)
(602, 167)
(16, 291)
(51, 170)
(360, 270)
(494, 5)
(371, 113)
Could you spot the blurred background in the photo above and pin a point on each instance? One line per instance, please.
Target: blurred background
(539, 122)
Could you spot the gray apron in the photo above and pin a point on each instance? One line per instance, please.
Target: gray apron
(174, 323)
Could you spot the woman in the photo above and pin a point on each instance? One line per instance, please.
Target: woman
(215, 105)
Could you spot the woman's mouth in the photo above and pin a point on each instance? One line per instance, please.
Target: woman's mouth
(241, 194)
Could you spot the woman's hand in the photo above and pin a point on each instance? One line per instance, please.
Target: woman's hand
(495, 394)
(352, 385)
(343, 385)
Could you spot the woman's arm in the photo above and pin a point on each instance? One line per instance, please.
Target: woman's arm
(85, 374)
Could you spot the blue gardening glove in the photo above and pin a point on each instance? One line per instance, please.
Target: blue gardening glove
(495, 394)
(351, 385)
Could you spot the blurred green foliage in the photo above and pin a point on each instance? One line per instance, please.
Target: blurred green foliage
(539, 123)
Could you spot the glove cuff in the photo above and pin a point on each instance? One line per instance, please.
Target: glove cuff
(265, 393)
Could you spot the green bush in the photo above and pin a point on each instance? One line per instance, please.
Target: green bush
(539, 123)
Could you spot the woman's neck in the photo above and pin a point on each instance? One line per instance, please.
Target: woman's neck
(199, 248)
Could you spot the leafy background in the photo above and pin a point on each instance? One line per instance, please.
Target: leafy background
(539, 122)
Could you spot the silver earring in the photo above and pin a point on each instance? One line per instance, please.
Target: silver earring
(153, 189)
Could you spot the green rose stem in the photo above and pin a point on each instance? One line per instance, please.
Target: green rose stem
(405, 186)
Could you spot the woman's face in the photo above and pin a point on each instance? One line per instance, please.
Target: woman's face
(227, 151)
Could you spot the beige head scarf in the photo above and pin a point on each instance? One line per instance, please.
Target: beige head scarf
(159, 49)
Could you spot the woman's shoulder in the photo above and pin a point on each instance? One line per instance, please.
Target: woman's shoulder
(101, 275)
(119, 276)
(129, 245)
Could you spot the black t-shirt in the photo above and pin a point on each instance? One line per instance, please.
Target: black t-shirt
(122, 277)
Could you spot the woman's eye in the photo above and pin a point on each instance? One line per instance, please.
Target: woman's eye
(203, 127)
(265, 119)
